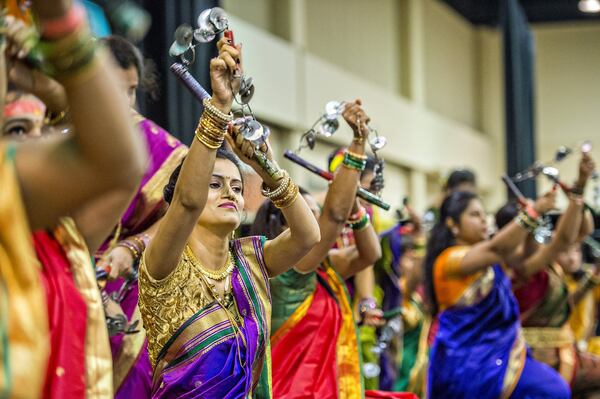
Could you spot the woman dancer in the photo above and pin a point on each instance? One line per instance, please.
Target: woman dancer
(44, 181)
(478, 349)
(204, 297)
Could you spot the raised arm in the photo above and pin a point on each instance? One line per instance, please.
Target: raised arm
(570, 226)
(341, 193)
(303, 233)
(191, 191)
(366, 251)
(104, 152)
(502, 245)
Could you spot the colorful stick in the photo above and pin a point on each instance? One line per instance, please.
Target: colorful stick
(361, 192)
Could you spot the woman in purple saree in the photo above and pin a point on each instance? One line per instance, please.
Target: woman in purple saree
(204, 297)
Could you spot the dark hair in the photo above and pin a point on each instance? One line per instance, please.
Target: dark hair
(128, 55)
(269, 220)
(458, 177)
(441, 237)
(506, 214)
(222, 153)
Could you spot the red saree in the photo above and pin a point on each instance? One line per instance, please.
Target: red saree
(67, 314)
(315, 351)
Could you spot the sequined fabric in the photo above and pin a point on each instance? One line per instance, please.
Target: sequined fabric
(166, 304)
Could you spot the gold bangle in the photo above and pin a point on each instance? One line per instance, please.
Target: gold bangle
(289, 198)
(284, 183)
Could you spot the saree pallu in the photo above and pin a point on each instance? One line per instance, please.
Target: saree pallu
(210, 356)
(67, 312)
(543, 299)
(554, 347)
(315, 351)
(24, 340)
(132, 369)
(478, 351)
(98, 360)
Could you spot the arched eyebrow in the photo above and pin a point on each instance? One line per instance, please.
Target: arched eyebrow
(223, 178)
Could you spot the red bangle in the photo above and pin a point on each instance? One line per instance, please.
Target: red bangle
(60, 27)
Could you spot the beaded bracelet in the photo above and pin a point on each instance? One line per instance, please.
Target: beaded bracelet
(284, 182)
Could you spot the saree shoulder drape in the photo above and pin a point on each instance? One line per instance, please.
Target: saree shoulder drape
(199, 348)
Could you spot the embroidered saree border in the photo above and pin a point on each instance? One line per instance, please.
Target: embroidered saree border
(293, 320)
(98, 358)
(349, 361)
(129, 352)
(152, 191)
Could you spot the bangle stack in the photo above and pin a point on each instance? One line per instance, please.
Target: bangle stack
(526, 221)
(213, 125)
(70, 57)
(135, 244)
(360, 220)
(285, 194)
(354, 161)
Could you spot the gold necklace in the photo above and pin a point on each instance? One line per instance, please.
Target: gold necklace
(216, 275)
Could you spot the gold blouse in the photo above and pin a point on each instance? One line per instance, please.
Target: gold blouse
(167, 303)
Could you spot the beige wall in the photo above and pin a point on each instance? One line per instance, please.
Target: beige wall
(303, 53)
(451, 69)
(567, 90)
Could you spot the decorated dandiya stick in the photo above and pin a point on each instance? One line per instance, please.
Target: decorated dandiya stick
(361, 192)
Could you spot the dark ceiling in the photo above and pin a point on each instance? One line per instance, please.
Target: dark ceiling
(485, 12)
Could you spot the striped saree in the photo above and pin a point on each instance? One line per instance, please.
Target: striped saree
(214, 355)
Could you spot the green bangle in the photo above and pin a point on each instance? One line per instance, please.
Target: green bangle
(353, 163)
(362, 223)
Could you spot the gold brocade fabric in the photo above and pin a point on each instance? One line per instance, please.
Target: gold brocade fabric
(23, 318)
(98, 358)
(348, 357)
(166, 304)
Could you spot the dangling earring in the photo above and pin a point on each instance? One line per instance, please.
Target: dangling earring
(233, 235)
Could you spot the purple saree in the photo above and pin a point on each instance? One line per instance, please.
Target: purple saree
(219, 354)
(132, 370)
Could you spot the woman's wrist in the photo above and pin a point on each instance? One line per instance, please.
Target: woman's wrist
(223, 106)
